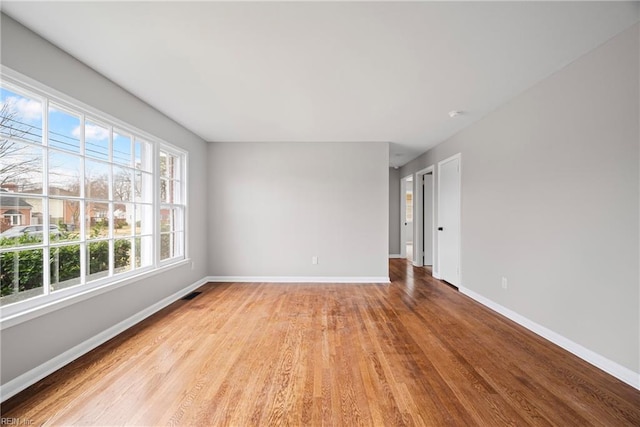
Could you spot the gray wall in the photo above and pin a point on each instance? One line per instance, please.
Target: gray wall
(32, 343)
(394, 211)
(275, 205)
(550, 200)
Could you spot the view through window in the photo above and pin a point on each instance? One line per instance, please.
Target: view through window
(78, 203)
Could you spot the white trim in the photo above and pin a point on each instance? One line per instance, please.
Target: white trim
(395, 256)
(298, 279)
(34, 375)
(74, 298)
(609, 366)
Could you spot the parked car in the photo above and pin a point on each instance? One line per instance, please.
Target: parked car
(31, 230)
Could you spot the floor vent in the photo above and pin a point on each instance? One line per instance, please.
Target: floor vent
(192, 295)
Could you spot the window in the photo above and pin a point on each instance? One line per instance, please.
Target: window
(13, 219)
(111, 196)
(171, 206)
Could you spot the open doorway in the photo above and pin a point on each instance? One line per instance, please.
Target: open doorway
(424, 219)
(406, 218)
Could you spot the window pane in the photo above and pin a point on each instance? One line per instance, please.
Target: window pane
(169, 165)
(20, 275)
(97, 220)
(163, 164)
(144, 219)
(123, 219)
(166, 223)
(171, 219)
(65, 267)
(96, 180)
(64, 130)
(21, 220)
(121, 149)
(166, 244)
(64, 219)
(170, 245)
(96, 139)
(122, 184)
(164, 189)
(169, 191)
(143, 155)
(122, 255)
(143, 187)
(20, 117)
(144, 251)
(178, 244)
(20, 167)
(64, 174)
(98, 259)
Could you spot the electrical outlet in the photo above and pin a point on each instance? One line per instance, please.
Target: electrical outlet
(193, 265)
(314, 260)
(505, 284)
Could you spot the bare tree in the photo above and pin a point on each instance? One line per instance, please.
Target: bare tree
(15, 159)
(122, 186)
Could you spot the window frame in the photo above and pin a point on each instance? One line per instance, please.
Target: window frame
(20, 311)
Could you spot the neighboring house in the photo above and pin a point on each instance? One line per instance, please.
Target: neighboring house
(61, 211)
(14, 210)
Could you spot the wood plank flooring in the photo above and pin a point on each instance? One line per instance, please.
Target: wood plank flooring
(415, 352)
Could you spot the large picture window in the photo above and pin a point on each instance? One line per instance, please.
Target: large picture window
(84, 198)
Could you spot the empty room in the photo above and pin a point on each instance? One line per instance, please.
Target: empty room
(320, 213)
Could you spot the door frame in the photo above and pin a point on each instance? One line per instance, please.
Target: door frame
(457, 156)
(418, 219)
(403, 212)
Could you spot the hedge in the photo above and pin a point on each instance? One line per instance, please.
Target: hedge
(65, 258)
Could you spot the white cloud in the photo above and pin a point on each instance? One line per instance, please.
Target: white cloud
(25, 109)
(92, 132)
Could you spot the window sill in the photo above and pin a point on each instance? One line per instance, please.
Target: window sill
(57, 304)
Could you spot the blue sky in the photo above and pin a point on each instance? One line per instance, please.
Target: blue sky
(64, 129)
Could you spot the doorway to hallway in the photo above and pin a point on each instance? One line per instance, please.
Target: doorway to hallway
(406, 217)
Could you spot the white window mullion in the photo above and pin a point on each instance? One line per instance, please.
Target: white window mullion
(155, 212)
(183, 201)
(111, 257)
(84, 269)
(46, 270)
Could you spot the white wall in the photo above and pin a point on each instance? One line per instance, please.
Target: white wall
(550, 200)
(275, 205)
(32, 343)
(394, 211)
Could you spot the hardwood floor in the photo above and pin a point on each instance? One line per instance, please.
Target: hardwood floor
(415, 352)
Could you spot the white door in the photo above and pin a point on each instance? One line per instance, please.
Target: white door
(449, 219)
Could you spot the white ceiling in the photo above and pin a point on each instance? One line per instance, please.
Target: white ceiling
(326, 71)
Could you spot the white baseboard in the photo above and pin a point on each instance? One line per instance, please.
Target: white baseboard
(395, 256)
(297, 279)
(23, 381)
(609, 366)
